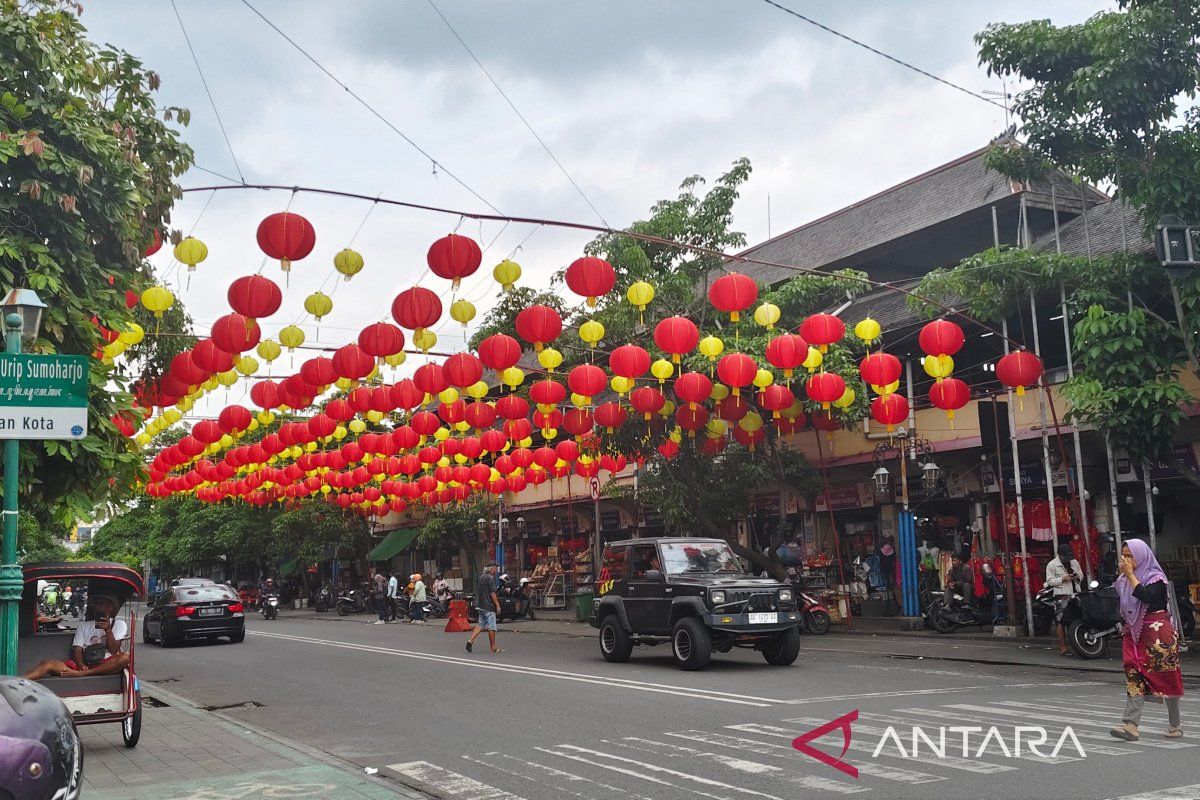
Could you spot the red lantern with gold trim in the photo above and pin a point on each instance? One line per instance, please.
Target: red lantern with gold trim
(454, 257)
(822, 330)
(889, 410)
(538, 325)
(1019, 369)
(591, 278)
(733, 293)
(286, 236)
(677, 336)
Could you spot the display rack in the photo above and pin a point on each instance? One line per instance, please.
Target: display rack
(554, 596)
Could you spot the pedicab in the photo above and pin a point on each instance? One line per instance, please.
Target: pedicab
(91, 699)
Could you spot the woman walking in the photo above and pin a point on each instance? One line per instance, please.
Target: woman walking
(1149, 645)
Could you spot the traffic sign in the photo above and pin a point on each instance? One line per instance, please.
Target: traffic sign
(594, 485)
(43, 396)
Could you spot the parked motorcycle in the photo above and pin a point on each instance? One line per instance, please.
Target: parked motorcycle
(946, 619)
(1044, 609)
(268, 605)
(515, 602)
(322, 599)
(1187, 610)
(814, 615)
(1093, 618)
(351, 601)
(436, 609)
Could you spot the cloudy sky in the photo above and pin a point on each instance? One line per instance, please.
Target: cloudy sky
(631, 97)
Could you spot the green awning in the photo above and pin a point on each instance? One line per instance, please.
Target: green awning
(288, 568)
(394, 543)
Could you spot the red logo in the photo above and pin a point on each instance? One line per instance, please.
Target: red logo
(842, 722)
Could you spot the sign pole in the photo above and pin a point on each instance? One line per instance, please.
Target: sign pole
(10, 571)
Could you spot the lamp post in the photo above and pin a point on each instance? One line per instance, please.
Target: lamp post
(22, 317)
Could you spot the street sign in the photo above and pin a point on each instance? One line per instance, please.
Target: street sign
(594, 485)
(43, 397)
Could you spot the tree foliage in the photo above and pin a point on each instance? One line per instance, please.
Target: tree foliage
(89, 166)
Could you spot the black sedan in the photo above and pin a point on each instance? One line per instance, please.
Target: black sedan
(195, 612)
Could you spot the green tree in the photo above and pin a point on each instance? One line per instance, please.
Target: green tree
(456, 526)
(89, 173)
(36, 542)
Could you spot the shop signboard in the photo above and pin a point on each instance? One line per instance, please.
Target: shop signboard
(651, 518)
(610, 520)
(43, 396)
(1127, 472)
(1033, 476)
(849, 495)
(533, 529)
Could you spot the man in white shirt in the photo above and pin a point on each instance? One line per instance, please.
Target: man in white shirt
(1065, 576)
(98, 628)
(393, 593)
(416, 608)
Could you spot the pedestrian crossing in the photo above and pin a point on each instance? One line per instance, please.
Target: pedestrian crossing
(756, 761)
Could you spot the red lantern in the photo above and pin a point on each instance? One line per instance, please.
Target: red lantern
(668, 449)
(825, 421)
(254, 296)
(206, 431)
(265, 395)
(286, 236)
(879, 369)
(208, 356)
(629, 361)
(188, 371)
(512, 407)
(610, 415)
(749, 438)
(453, 413)
(321, 426)
(547, 392)
(568, 451)
(416, 308)
(587, 380)
(737, 370)
(381, 339)
(340, 410)
(822, 330)
(733, 293)
(786, 352)
(950, 394)
(824, 388)
(454, 257)
(733, 408)
(591, 277)
(462, 370)
(1019, 369)
(235, 333)
(691, 418)
(647, 400)
(352, 362)
(577, 421)
(889, 410)
(538, 325)
(693, 388)
(155, 244)
(481, 415)
(677, 336)
(518, 429)
(425, 423)
(776, 398)
(406, 395)
(493, 442)
(941, 338)
(430, 379)
(499, 352)
(318, 371)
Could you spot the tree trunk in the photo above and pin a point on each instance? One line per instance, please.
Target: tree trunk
(771, 564)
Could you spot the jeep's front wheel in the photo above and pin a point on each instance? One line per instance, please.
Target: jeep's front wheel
(615, 643)
(783, 648)
(691, 644)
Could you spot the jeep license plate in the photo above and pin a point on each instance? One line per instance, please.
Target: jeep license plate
(764, 619)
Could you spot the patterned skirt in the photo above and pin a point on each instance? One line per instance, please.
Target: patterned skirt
(1152, 662)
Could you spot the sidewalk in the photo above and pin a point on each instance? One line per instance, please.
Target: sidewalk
(187, 753)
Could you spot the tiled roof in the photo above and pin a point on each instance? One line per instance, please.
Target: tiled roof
(1101, 232)
(889, 308)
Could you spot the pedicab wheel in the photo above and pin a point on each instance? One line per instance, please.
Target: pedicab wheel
(691, 644)
(783, 649)
(131, 726)
(818, 622)
(615, 644)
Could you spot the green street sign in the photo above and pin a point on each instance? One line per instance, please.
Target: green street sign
(43, 397)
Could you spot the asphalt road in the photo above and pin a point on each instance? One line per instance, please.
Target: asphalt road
(549, 719)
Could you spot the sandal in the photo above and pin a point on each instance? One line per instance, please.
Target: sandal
(1173, 733)
(501, 650)
(469, 646)
(1125, 731)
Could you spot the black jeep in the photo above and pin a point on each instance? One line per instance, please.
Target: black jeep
(694, 594)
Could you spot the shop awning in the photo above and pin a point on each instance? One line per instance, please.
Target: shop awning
(393, 543)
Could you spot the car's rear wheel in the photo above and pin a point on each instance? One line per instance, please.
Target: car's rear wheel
(146, 638)
(691, 644)
(615, 643)
(131, 726)
(166, 641)
(783, 649)
(238, 637)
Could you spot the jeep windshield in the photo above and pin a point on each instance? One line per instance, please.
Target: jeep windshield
(699, 558)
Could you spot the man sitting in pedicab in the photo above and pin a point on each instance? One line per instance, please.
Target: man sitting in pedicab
(96, 648)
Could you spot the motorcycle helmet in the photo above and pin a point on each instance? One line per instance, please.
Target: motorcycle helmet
(504, 577)
(40, 753)
(525, 582)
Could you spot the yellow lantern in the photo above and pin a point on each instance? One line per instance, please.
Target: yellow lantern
(711, 347)
(142, 439)
(550, 359)
(266, 417)
(662, 369)
(763, 378)
(348, 262)
(424, 339)
(751, 422)
(506, 273)
(247, 365)
(477, 390)
(185, 404)
(462, 311)
(591, 332)
(793, 411)
(375, 416)
(290, 337)
(938, 367)
(448, 395)
(668, 408)
(113, 350)
(210, 384)
(813, 359)
(318, 304)
(357, 426)
(621, 385)
(191, 251)
(675, 436)
(339, 433)
(268, 350)
(719, 392)
(715, 428)
(132, 334)
(396, 359)
(580, 401)
(889, 389)
(345, 384)
(513, 377)
(767, 315)
(846, 400)
(158, 300)
(867, 330)
(640, 294)
(462, 427)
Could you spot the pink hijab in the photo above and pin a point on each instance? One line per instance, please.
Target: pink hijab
(1147, 571)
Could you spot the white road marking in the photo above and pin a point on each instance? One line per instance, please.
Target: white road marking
(946, 690)
(743, 765)
(872, 768)
(1103, 720)
(495, 768)
(1067, 719)
(558, 751)
(529, 671)
(1178, 793)
(451, 783)
(571, 777)
(912, 716)
(953, 762)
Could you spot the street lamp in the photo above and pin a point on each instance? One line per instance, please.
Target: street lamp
(931, 475)
(881, 479)
(481, 525)
(22, 317)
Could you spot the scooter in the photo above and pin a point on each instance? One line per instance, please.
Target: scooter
(352, 601)
(436, 609)
(1044, 609)
(322, 599)
(944, 619)
(515, 602)
(814, 615)
(1093, 618)
(1187, 610)
(269, 605)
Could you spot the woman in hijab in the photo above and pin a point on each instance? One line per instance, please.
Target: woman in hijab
(1149, 645)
